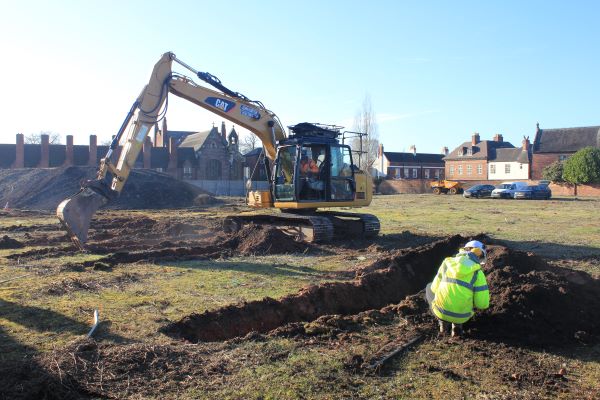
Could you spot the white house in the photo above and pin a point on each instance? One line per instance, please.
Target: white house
(510, 163)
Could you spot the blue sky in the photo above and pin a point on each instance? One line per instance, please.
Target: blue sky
(435, 71)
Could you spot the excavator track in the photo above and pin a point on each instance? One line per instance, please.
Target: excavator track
(320, 227)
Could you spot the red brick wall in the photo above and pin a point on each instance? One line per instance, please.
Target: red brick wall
(569, 190)
(541, 161)
(464, 177)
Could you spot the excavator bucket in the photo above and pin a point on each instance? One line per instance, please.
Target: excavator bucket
(76, 212)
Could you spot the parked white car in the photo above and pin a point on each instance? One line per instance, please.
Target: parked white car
(506, 190)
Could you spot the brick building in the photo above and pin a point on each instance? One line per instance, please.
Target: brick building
(469, 161)
(182, 154)
(411, 165)
(551, 145)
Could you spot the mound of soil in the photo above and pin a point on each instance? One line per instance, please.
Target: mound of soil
(44, 189)
(256, 239)
(206, 200)
(536, 304)
(10, 243)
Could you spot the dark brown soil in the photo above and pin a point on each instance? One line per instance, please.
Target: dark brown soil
(404, 275)
(532, 303)
(9, 243)
(44, 189)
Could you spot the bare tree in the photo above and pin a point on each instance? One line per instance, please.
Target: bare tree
(36, 138)
(249, 143)
(365, 122)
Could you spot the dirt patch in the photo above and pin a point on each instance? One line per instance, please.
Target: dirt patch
(86, 369)
(256, 239)
(405, 275)
(532, 303)
(44, 189)
(206, 200)
(10, 243)
(70, 285)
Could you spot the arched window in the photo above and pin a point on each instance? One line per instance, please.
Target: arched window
(213, 169)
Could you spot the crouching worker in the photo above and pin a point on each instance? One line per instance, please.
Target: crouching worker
(458, 288)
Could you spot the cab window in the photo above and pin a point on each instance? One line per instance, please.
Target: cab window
(284, 174)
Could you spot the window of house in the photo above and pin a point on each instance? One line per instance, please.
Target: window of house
(187, 170)
(469, 151)
(460, 170)
(507, 168)
(159, 170)
(479, 169)
(213, 169)
(213, 145)
(562, 157)
(406, 172)
(426, 174)
(437, 172)
(415, 173)
(492, 168)
(451, 171)
(469, 169)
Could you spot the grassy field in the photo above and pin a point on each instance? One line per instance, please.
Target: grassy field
(52, 306)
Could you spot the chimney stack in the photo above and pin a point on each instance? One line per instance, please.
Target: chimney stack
(223, 132)
(20, 151)
(526, 143)
(498, 138)
(475, 139)
(445, 150)
(45, 157)
(69, 151)
(93, 156)
(380, 150)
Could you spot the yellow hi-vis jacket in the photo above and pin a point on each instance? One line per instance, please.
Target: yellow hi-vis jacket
(459, 286)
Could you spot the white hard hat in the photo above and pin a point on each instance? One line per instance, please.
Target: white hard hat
(476, 244)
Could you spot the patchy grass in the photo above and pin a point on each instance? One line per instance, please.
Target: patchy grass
(565, 230)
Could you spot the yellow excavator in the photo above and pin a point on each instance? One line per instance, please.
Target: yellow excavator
(308, 170)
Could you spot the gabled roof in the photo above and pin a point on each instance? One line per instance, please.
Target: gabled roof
(509, 155)
(186, 154)
(483, 150)
(566, 140)
(254, 152)
(414, 157)
(179, 136)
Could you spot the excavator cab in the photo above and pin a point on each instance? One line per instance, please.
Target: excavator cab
(313, 167)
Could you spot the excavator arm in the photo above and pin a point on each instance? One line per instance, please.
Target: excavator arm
(76, 212)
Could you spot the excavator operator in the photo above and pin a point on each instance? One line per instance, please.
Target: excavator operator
(308, 166)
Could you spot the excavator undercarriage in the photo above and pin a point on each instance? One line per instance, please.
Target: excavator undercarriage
(315, 227)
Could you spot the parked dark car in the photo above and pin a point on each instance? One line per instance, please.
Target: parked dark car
(539, 192)
(479, 191)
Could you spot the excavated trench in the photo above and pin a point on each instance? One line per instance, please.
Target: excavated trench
(532, 302)
(389, 281)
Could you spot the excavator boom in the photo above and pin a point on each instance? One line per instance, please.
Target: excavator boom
(76, 212)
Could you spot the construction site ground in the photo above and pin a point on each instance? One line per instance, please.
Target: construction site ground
(187, 311)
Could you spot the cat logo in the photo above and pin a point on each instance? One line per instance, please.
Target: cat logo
(222, 104)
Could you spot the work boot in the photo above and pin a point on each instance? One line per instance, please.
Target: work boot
(444, 327)
(457, 330)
